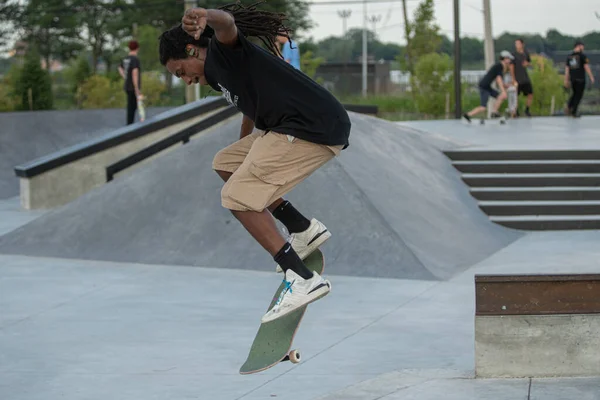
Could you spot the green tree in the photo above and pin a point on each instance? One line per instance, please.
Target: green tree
(433, 80)
(147, 36)
(8, 14)
(9, 100)
(548, 83)
(100, 92)
(35, 82)
(309, 63)
(423, 36)
(52, 27)
(102, 26)
(308, 45)
(77, 72)
(334, 49)
(154, 88)
(472, 52)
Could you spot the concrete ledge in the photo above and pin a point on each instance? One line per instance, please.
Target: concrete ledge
(537, 346)
(537, 325)
(119, 136)
(63, 176)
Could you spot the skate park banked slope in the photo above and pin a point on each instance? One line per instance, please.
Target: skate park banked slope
(25, 136)
(393, 202)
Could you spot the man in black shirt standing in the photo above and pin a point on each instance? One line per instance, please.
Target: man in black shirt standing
(486, 91)
(576, 66)
(131, 70)
(518, 70)
(291, 126)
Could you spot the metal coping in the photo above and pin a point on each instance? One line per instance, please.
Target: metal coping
(541, 294)
(119, 136)
(181, 136)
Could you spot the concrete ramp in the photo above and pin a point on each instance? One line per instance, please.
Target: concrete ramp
(393, 202)
(25, 136)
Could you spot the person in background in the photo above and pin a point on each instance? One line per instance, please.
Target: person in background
(518, 70)
(576, 66)
(494, 74)
(290, 52)
(131, 70)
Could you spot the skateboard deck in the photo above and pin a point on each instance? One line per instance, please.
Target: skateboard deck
(274, 339)
(501, 120)
(512, 100)
(141, 109)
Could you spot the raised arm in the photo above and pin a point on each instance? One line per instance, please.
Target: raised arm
(195, 20)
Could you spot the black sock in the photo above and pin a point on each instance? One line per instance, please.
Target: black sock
(287, 258)
(291, 218)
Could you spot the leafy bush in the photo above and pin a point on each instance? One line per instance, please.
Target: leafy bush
(547, 83)
(153, 88)
(433, 81)
(309, 63)
(99, 92)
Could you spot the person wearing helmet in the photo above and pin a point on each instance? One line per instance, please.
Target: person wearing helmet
(494, 74)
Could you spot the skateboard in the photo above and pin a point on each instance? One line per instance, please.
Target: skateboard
(512, 101)
(501, 120)
(141, 108)
(274, 339)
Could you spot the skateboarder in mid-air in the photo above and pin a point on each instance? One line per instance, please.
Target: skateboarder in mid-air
(486, 91)
(291, 126)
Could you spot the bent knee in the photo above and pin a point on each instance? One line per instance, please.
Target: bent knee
(223, 174)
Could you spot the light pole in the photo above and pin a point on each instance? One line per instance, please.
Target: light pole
(364, 50)
(344, 15)
(457, 80)
(374, 19)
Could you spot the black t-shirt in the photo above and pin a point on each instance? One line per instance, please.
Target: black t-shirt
(275, 95)
(520, 71)
(575, 62)
(129, 63)
(495, 71)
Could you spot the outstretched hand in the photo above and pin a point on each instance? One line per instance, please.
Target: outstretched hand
(194, 21)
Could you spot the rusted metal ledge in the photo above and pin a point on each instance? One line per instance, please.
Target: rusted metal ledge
(537, 294)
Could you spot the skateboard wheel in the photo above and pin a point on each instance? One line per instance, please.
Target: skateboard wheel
(294, 356)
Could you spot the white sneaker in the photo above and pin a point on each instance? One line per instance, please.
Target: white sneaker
(297, 292)
(308, 241)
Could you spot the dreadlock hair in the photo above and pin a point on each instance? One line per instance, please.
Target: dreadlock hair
(264, 25)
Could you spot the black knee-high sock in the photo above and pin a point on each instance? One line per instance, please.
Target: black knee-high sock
(291, 218)
(287, 258)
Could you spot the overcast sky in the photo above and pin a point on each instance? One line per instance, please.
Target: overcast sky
(573, 17)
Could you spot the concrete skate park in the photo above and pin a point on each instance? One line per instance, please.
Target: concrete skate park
(464, 261)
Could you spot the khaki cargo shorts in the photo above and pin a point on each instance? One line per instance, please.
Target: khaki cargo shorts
(267, 166)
